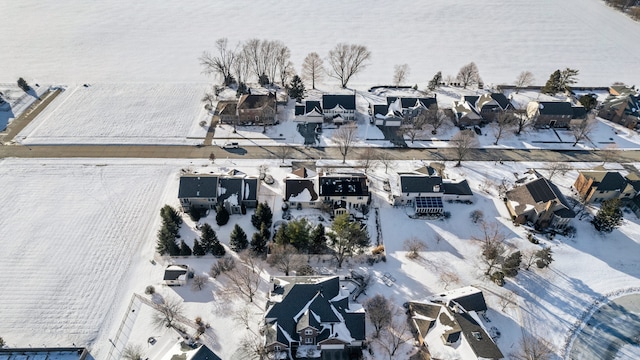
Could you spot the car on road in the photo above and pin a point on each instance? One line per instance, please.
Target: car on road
(230, 145)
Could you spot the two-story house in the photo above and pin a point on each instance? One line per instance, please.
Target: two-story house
(622, 106)
(198, 191)
(308, 315)
(597, 186)
(473, 110)
(410, 107)
(301, 189)
(540, 202)
(309, 112)
(205, 191)
(385, 115)
(556, 114)
(339, 108)
(256, 109)
(345, 192)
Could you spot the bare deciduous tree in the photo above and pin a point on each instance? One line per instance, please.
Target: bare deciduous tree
(208, 98)
(522, 121)
(252, 347)
(524, 79)
(220, 64)
(476, 216)
(557, 168)
(369, 159)
(413, 246)
(285, 258)
(463, 142)
(415, 127)
(528, 259)
(133, 352)
(400, 74)
(531, 347)
(313, 69)
(378, 309)
(346, 60)
(385, 158)
(393, 336)
(199, 281)
(507, 300)
(504, 121)
(283, 152)
(345, 136)
(448, 277)
(245, 278)
(468, 75)
(492, 244)
(241, 66)
(583, 129)
(167, 312)
(436, 118)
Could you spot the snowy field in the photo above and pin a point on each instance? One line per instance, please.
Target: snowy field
(121, 114)
(117, 41)
(95, 223)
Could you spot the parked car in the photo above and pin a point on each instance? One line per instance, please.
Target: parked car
(230, 145)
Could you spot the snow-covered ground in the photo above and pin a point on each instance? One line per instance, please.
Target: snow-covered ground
(82, 232)
(122, 114)
(116, 41)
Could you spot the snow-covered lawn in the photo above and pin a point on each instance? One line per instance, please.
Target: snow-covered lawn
(122, 114)
(117, 41)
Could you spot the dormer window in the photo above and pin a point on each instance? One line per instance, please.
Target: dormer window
(308, 332)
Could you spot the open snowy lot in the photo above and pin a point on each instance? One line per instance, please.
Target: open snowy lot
(122, 114)
(116, 41)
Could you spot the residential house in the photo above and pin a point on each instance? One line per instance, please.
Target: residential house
(450, 325)
(540, 202)
(473, 110)
(345, 192)
(597, 186)
(425, 191)
(233, 190)
(385, 115)
(301, 189)
(182, 350)
(338, 109)
(555, 114)
(309, 112)
(622, 106)
(198, 192)
(410, 107)
(465, 112)
(248, 110)
(176, 274)
(311, 317)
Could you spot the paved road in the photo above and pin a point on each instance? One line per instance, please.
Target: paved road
(306, 153)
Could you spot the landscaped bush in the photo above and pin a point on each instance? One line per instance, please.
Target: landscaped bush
(378, 250)
(150, 290)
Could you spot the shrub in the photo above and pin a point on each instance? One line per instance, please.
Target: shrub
(305, 270)
(222, 215)
(223, 265)
(378, 250)
(476, 216)
(498, 278)
(446, 214)
(150, 290)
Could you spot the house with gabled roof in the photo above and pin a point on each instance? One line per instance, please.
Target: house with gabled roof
(309, 315)
(598, 186)
(385, 115)
(410, 107)
(622, 106)
(339, 108)
(540, 202)
(465, 113)
(175, 274)
(449, 325)
(256, 109)
(233, 190)
(301, 189)
(555, 114)
(346, 193)
(473, 110)
(309, 112)
(426, 192)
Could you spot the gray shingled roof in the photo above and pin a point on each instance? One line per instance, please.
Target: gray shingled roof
(231, 186)
(252, 185)
(300, 109)
(555, 108)
(293, 187)
(459, 188)
(343, 186)
(311, 105)
(472, 302)
(478, 339)
(606, 181)
(419, 184)
(198, 186)
(348, 102)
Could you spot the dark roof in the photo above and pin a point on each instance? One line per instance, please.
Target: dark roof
(311, 105)
(472, 302)
(609, 181)
(356, 324)
(426, 310)
(204, 353)
(343, 186)
(459, 188)
(250, 189)
(380, 109)
(293, 187)
(408, 102)
(300, 109)
(472, 100)
(579, 112)
(346, 101)
(254, 101)
(198, 186)
(540, 190)
(555, 108)
(228, 187)
(502, 100)
(410, 183)
(537, 193)
(478, 339)
(227, 108)
(173, 273)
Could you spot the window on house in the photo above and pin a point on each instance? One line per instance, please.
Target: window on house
(277, 348)
(308, 332)
(308, 341)
(359, 197)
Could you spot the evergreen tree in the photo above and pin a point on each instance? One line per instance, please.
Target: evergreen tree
(318, 240)
(298, 232)
(198, 250)
(511, 264)
(238, 239)
(258, 243)
(296, 88)
(264, 80)
(347, 238)
(208, 237)
(435, 82)
(22, 83)
(222, 215)
(265, 232)
(169, 213)
(166, 244)
(242, 89)
(544, 258)
(553, 85)
(588, 101)
(281, 237)
(262, 214)
(185, 250)
(608, 217)
(217, 249)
